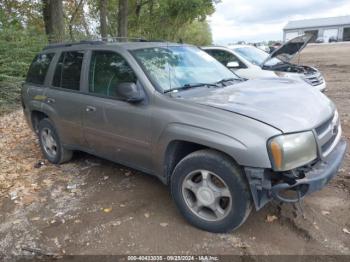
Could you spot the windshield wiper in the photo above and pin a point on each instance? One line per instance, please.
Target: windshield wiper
(222, 81)
(188, 86)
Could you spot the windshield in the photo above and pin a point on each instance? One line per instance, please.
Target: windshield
(174, 67)
(256, 56)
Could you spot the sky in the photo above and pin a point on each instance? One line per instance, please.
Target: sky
(262, 20)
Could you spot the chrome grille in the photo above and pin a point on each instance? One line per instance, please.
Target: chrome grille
(314, 79)
(328, 134)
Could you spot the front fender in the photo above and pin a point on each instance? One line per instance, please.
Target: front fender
(237, 149)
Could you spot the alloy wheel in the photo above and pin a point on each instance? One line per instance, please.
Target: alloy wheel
(207, 195)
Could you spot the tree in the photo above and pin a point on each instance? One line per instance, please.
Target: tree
(103, 18)
(21, 14)
(53, 20)
(197, 33)
(123, 18)
(74, 10)
(165, 19)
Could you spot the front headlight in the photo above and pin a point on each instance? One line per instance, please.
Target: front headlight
(291, 151)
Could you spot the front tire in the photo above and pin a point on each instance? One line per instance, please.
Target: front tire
(50, 143)
(210, 191)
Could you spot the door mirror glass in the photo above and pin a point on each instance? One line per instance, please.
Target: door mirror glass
(233, 64)
(129, 92)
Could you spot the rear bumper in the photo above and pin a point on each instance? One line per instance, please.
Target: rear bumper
(315, 179)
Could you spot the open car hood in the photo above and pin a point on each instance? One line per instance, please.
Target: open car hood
(290, 49)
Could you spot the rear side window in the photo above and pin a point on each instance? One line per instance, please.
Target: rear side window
(38, 69)
(68, 69)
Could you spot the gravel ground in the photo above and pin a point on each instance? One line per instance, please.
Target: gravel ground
(92, 206)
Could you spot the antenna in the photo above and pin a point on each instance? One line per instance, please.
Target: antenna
(169, 73)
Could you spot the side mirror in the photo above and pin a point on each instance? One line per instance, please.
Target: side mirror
(130, 92)
(233, 64)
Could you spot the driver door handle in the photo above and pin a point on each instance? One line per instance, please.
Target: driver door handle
(90, 109)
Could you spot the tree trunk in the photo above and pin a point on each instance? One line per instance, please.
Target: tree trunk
(123, 18)
(78, 6)
(151, 8)
(103, 19)
(86, 27)
(138, 8)
(53, 20)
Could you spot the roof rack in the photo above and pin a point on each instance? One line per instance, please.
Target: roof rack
(124, 39)
(99, 41)
(86, 42)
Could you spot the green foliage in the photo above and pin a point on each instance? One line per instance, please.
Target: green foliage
(20, 14)
(22, 30)
(21, 37)
(197, 33)
(167, 20)
(17, 49)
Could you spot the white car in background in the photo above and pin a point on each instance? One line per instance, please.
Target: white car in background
(251, 62)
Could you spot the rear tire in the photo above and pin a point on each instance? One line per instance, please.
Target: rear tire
(210, 191)
(50, 143)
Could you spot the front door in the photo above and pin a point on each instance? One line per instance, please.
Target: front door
(114, 128)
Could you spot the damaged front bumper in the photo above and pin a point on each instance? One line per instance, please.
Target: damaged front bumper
(264, 188)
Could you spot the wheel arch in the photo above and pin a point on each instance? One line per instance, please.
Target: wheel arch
(36, 116)
(178, 141)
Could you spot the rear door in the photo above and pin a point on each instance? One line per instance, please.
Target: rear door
(34, 86)
(63, 98)
(113, 128)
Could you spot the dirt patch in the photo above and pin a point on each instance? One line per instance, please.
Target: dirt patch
(92, 206)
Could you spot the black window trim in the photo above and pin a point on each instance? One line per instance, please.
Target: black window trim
(87, 76)
(84, 76)
(50, 85)
(47, 75)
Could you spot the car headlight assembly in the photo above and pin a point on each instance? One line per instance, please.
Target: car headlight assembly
(292, 150)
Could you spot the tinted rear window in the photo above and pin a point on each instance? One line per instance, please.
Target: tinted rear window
(68, 69)
(38, 69)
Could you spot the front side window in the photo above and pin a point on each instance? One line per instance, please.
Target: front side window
(256, 56)
(225, 57)
(68, 70)
(38, 68)
(177, 66)
(107, 70)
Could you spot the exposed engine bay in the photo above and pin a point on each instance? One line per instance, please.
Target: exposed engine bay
(291, 68)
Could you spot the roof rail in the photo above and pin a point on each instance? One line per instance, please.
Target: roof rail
(124, 39)
(82, 42)
(98, 41)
